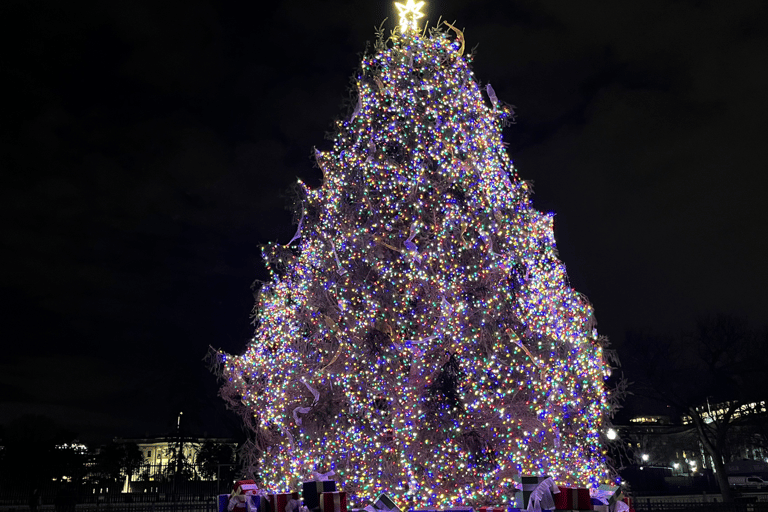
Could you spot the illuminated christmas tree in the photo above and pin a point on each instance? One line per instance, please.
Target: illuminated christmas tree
(419, 336)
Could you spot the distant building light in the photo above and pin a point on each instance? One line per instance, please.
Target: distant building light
(714, 412)
(76, 447)
(661, 420)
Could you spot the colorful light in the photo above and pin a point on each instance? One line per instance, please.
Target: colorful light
(420, 338)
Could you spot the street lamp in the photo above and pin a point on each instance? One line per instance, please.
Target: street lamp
(179, 452)
(644, 457)
(611, 434)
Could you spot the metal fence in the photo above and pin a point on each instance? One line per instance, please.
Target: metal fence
(202, 497)
(153, 497)
(701, 503)
(701, 507)
(180, 506)
(210, 505)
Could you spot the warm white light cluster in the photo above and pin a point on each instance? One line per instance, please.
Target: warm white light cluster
(409, 12)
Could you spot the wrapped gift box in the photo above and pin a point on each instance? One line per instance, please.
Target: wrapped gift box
(240, 491)
(573, 498)
(311, 492)
(383, 504)
(222, 501)
(284, 502)
(525, 484)
(612, 492)
(621, 504)
(333, 502)
(243, 486)
(256, 503)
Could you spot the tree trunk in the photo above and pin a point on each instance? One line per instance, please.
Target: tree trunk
(713, 449)
(722, 479)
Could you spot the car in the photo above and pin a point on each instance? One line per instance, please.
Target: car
(747, 482)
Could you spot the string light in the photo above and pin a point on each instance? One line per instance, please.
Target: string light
(419, 336)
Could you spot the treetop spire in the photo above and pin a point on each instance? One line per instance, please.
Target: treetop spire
(409, 13)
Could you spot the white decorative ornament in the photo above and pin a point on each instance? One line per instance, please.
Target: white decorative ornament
(492, 96)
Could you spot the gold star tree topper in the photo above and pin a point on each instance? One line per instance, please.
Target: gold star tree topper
(409, 13)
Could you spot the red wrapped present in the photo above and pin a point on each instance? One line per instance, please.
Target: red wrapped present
(573, 498)
(313, 490)
(333, 502)
(240, 491)
(284, 502)
(244, 487)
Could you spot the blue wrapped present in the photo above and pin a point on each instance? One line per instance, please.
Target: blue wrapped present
(223, 501)
(256, 503)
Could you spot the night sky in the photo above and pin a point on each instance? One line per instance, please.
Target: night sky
(148, 149)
